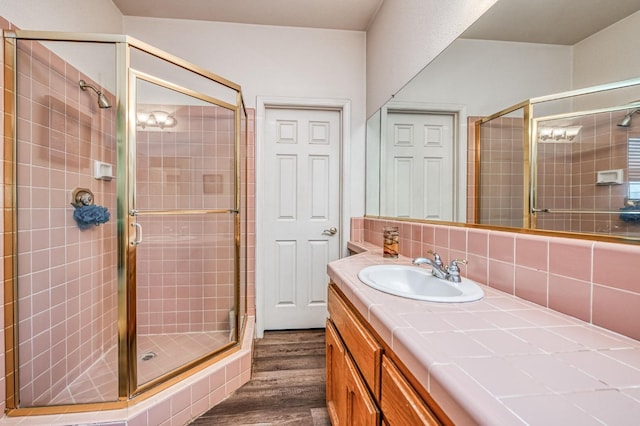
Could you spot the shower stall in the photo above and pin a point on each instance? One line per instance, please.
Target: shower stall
(125, 219)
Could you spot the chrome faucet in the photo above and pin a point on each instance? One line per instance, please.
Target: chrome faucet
(439, 269)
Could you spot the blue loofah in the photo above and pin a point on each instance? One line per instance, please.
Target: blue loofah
(87, 216)
(630, 217)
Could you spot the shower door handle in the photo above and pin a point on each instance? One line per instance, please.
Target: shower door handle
(138, 239)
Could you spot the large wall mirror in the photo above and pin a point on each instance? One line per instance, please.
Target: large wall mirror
(420, 163)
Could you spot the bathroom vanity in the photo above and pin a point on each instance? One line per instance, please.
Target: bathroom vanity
(500, 360)
(363, 381)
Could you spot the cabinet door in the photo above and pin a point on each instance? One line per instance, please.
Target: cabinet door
(336, 388)
(361, 408)
(362, 346)
(400, 404)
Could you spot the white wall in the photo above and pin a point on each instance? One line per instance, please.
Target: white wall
(78, 16)
(488, 76)
(275, 61)
(265, 60)
(408, 34)
(90, 16)
(609, 55)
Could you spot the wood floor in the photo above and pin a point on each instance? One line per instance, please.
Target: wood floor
(287, 384)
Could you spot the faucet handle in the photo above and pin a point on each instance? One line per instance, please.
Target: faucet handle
(454, 270)
(436, 257)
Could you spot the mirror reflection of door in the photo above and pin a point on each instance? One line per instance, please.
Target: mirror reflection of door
(417, 160)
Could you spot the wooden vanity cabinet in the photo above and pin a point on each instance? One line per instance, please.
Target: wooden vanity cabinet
(361, 409)
(359, 342)
(353, 361)
(336, 389)
(400, 404)
(364, 385)
(348, 399)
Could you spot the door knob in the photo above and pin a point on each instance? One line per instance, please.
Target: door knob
(331, 231)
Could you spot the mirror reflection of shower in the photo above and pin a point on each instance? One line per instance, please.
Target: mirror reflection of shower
(626, 121)
(103, 102)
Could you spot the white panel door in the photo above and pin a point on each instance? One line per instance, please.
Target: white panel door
(418, 162)
(302, 193)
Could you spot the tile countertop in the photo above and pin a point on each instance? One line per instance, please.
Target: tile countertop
(501, 360)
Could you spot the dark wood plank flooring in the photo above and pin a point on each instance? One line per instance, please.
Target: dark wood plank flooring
(287, 384)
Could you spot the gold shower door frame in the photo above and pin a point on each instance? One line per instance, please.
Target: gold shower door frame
(128, 391)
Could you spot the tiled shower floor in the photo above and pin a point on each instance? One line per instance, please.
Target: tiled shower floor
(100, 382)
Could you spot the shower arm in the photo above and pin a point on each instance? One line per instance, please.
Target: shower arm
(103, 102)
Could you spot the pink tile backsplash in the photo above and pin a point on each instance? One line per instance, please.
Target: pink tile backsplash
(571, 258)
(477, 268)
(501, 246)
(458, 240)
(617, 310)
(570, 296)
(441, 237)
(531, 251)
(478, 242)
(615, 266)
(531, 284)
(501, 276)
(592, 281)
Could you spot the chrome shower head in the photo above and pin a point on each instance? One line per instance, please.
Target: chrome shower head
(626, 121)
(103, 102)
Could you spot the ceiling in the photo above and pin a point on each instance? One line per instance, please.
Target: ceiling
(549, 21)
(541, 21)
(331, 14)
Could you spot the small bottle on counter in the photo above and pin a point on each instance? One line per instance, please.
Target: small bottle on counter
(390, 235)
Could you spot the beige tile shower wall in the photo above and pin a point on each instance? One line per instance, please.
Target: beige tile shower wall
(590, 280)
(185, 277)
(67, 277)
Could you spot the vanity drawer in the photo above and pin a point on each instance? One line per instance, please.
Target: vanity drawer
(362, 346)
(399, 402)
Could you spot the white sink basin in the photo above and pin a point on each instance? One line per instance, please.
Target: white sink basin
(418, 283)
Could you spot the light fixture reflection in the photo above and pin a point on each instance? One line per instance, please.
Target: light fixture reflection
(159, 119)
(558, 134)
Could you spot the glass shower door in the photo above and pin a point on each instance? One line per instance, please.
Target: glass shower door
(66, 273)
(184, 206)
